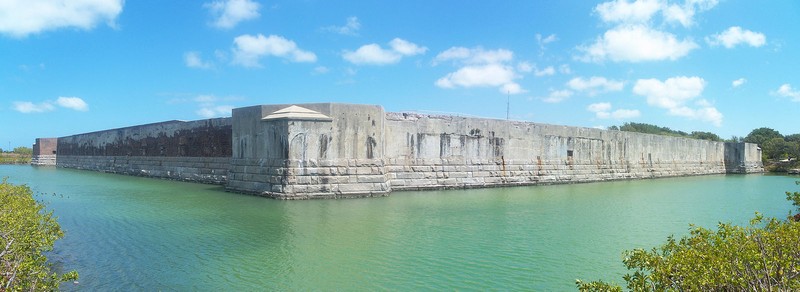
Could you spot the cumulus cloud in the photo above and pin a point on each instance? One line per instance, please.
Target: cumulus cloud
(20, 18)
(599, 107)
(208, 106)
(215, 111)
(193, 60)
(674, 93)
(594, 85)
(27, 107)
(482, 68)
(543, 41)
(735, 35)
(643, 11)
(461, 55)
(73, 103)
(547, 71)
(602, 110)
(557, 96)
(786, 90)
(249, 49)
(636, 43)
(227, 14)
(374, 54)
(622, 11)
(738, 82)
(477, 76)
(350, 28)
(634, 38)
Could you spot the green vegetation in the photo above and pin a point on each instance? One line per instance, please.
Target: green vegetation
(763, 256)
(653, 129)
(26, 232)
(20, 155)
(778, 153)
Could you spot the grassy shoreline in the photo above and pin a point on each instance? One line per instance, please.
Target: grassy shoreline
(14, 158)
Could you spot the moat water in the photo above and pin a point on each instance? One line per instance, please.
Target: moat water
(129, 233)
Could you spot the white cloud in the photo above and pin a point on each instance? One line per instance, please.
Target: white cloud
(482, 68)
(248, 50)
(622, 11)
(374, 54)
(622, 114)
(557, 96)
(643, 11)
(350, 28)
(525, 67)
(786, 90)
(20, 18)
(215, 111)
(549, 71)
(636, 43)
(474, 56)
(684, 14)
(673, 94)
(564, 69)
(209, 106)
(735, 35)
(599, 107)
(594, 85)
(738, 82)
(27, 107)
(406, 48)
(193, 60)
(75, 103)
(543, 41)
(546, 40)
(478, 76)
(602, 110)
(227, 14)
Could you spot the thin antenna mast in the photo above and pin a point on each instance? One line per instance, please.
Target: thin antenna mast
(508, 104)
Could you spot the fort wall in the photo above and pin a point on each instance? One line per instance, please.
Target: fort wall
(331, 150)
(193, 151)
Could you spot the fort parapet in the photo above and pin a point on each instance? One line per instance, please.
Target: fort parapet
(332, 150)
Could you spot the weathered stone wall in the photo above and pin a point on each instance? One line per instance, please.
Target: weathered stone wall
(329, 150)
(299, 158)
(362, 151)
(194, 151)
(433, 152)
(44, 152)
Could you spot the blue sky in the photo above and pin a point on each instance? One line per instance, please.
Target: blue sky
(725, 66)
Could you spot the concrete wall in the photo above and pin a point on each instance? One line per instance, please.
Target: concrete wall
(194, 151)
(362, 151)
(330, 150)
(433, 152)
(297, 158)
(44, 152)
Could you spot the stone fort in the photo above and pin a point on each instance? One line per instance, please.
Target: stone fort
(334, 150)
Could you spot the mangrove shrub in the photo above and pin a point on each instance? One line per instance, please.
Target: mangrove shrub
(27, 231)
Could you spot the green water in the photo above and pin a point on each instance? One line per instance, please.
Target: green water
(129, 233)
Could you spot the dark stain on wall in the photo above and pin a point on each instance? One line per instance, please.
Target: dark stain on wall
(207, 138)
(371, 143)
